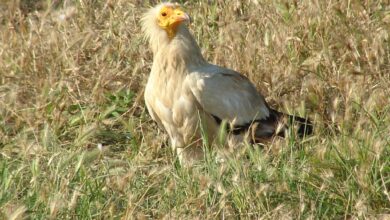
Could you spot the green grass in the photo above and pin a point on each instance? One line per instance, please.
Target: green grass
(77, 142)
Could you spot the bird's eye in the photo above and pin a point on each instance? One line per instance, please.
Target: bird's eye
(164, 14)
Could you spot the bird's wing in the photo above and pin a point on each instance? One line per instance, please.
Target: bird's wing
(227, 95)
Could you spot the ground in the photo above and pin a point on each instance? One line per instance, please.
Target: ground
(77, 142)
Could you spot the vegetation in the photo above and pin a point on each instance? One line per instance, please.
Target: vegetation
(77, 142)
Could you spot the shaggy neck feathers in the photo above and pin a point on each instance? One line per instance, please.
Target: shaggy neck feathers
(180, 50)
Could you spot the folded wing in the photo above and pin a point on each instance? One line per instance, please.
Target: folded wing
(227, 95)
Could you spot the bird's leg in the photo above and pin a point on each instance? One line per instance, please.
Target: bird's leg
(189, 155)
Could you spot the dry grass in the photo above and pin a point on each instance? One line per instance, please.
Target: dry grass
(77, 142)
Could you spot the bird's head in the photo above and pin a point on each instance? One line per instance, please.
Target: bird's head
(167, 16)
(170, 17)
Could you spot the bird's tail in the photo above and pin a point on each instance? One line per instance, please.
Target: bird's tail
(278, 123)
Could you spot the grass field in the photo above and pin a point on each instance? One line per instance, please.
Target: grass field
(76, 141)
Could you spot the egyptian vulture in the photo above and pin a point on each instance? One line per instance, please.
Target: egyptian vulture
(191, 98)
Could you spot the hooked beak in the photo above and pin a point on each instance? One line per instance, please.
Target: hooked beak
(179, 17)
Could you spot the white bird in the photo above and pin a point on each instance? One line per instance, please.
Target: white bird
(190, 97)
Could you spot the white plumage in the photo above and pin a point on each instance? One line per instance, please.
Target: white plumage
(185, 93)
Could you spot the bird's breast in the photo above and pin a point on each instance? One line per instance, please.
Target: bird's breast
(163, 90)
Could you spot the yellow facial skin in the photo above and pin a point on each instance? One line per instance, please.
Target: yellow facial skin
(170, 18)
